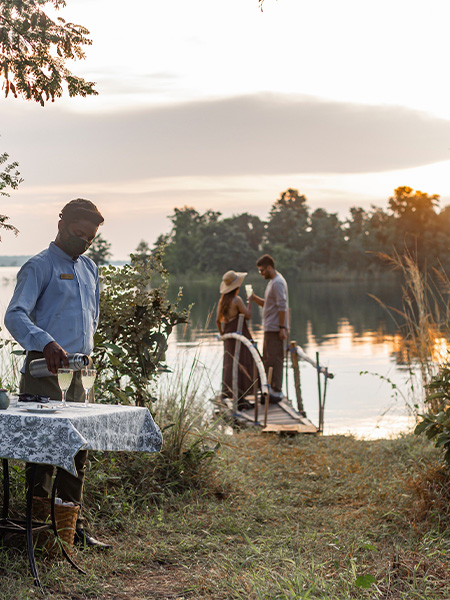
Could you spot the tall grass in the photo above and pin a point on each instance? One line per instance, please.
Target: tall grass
(422, 321)
(185, 416)
(11, 361)
(131, 482)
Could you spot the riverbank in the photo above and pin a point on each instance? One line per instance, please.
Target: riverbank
(268, 518)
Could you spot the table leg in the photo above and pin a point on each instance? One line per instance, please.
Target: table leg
(55, 529)
(5, 489)
(29, 525)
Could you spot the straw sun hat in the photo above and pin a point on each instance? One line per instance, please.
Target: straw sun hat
(230, 281)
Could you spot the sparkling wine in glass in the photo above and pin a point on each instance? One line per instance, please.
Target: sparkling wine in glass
(87, 381)
(64, 381)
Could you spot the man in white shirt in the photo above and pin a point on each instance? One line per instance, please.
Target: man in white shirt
(275, 319)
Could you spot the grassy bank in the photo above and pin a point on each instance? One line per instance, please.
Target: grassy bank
(269, 517)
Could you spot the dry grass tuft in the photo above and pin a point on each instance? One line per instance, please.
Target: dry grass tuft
(431, 491)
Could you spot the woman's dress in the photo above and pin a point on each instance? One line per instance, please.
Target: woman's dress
(246, 375)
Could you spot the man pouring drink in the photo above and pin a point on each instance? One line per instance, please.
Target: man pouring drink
(54, 313)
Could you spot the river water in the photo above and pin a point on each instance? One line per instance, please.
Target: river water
(357, 340)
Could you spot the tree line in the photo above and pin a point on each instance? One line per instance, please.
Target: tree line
(306, 243)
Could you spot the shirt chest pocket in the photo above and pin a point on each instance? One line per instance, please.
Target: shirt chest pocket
(89, 297)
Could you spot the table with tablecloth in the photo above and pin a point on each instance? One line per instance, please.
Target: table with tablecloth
(55, 438)
(54, 434)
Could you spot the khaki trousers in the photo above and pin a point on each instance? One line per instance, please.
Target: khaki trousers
(70, 487)
(273, 356)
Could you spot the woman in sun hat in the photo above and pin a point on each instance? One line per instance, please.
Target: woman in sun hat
(229, 308)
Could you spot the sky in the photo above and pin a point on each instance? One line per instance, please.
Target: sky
(219, 105)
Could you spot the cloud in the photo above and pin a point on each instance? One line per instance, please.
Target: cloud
(262, 134)
(114, 82)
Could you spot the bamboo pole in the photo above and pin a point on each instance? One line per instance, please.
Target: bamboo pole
(319, 389)
(237, 351)
(266, 407)
(296, 368)
(323, 400)
(255, 390)
(286, 371)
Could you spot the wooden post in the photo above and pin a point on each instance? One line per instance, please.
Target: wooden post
(320, 394)
(255, 390)
(323, 399)
(286, 371)
(296, 368)
(266, 407)
(324, 394)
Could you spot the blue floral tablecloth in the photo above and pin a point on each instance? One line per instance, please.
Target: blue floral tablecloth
(55, 438)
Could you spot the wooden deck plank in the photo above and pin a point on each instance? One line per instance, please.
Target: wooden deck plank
(281, 417)
(294, 428)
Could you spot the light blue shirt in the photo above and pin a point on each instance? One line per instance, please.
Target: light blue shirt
(56, 299)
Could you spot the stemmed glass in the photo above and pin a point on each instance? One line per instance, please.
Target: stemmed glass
(64, 381)
(87, 381)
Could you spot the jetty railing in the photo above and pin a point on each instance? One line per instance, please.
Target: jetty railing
(257, 360)
(297, 353)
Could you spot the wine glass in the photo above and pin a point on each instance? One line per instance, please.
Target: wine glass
(87, 381)
(64, 381)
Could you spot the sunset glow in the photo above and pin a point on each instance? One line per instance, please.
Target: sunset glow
(319, 80)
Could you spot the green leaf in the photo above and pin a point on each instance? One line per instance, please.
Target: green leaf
(365, 581)
(442, 440)
(369, 547)
(441, 418)
(168, 426)
(114, 348)
(115, 361)
(433, 431)
(421, 427)
(435, 396)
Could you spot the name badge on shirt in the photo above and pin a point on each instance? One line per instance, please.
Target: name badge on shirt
(66, 276)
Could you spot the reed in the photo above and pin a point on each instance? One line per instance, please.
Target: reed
(185, 418)
(11, 360)
(422, 321)
(191, 439)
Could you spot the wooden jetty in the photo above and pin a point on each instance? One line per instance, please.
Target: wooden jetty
(276, 417)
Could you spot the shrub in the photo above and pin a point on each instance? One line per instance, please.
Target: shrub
(435, 424)
(136, 320)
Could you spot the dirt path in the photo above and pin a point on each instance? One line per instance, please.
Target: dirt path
(159, 582)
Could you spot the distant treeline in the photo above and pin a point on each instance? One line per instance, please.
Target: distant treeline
(307, 244)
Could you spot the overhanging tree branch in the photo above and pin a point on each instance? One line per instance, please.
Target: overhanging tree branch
(34, 49)
(9, 177)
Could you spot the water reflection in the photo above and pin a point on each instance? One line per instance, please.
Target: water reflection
(317, 309)
(355, 337)
(354, 314)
